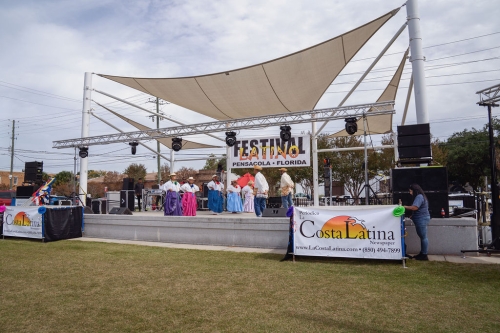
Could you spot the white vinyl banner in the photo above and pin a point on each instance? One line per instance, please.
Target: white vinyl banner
(350, 231)
(22, 222)
(271, 152)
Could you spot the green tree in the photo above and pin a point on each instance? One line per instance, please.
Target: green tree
(212, 162)
(184, 173)
(165, 171)
(135, 171)
(96, 173)
(64, 177)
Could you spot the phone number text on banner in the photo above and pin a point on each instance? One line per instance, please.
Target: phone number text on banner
(361, 232)
(271, 152)
(23, 222)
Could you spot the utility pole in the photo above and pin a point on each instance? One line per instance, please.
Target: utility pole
(12, 153)
(158, 103)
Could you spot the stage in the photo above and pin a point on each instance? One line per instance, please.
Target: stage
(226, 229)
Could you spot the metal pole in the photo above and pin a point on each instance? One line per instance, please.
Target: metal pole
(74, 179)
(368, 70)
(495, 218)
(367, 193)
(158, 142)
(315, 164)
(407, 103)
(355, 148)
(172, 161)
(87, 98)
(228, 165)
(417, 61)
(331, 186)
(12, 154)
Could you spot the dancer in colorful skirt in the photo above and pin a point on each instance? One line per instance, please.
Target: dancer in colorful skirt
(189, 203)
(234, 204)
(173, 206)
(215, 197)
(247, 193)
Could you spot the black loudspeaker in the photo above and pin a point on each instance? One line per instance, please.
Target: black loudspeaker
(205, 190)
(25, 191)
(273, 202)
(411, 130)
(127, 199)
(96, 206)
(431, 179)
(437, 201)
(414, 142)
(33, 171)
(274, 212)
(128, 184)
(326, 172)
(87, 210)
(120, 211)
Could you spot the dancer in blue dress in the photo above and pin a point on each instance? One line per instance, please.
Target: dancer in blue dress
(234, 204)
(215, 198)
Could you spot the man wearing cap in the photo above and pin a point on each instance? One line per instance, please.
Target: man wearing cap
(234, 204)
(247, 193)
(286, 189)
(189, 197)
(261, 189)
(173, 206)
(215, 198)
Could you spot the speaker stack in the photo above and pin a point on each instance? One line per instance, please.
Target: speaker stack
(127, 199)
(128, 184)
(414, 144)
(434, 182)
(33, 172)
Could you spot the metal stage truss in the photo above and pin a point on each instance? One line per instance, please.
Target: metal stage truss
(375, 109)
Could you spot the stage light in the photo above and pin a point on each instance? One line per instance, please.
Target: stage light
(134, 146)
(230, 138)
(84, 152)
(176, 144)
(285, 133)
(350, 125)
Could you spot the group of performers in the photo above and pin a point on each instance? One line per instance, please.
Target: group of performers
(254, 195)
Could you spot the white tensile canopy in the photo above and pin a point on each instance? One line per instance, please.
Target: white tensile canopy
(291, 83)
(381, 124)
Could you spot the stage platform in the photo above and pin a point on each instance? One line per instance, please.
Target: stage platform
(226, 229)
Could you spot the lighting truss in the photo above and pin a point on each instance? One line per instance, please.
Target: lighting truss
(318, 115)
(489, 96)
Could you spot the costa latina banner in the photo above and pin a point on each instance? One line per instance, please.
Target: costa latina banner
(22, 222)
(353, 232)
(271, 152)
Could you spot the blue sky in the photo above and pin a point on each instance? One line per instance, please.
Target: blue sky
(48, 45)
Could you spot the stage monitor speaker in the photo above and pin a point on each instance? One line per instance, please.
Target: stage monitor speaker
(128, 184)
(412, 130)
(96, 206)
(87, 210)
(273, 202)
(432, 179)
(120, 211)
(205, 190)
(127, 199)
(274, 212)
(25, 191)
(437, 201)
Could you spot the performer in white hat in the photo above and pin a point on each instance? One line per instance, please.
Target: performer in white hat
(261, 189)
(173, 206)
(215, 197)
(247, 193)
(287, 186)
(234, 204)
(189, 204)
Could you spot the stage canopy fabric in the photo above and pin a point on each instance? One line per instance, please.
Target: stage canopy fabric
(381, 124)
(167, 142)
(291, 83)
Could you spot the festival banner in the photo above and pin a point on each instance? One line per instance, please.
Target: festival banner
(271, 152)
(353, 232)
(23, 222)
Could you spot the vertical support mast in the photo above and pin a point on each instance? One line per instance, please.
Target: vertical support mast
(172, 161)
(315, 164)
(87, 90)
(11, 176)
(417, 61)
(158, 142)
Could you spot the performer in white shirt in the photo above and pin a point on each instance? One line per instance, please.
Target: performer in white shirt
(189, 204)
(215, 197)
(173, 205)
(247, 193)
(287, 186)
(234, 204)
(261, 189)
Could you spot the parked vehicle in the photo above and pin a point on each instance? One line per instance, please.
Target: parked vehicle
(6, 197)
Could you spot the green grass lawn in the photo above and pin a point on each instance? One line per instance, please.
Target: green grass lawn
(72, 286)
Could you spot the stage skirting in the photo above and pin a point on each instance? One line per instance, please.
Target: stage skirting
(49, 223)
